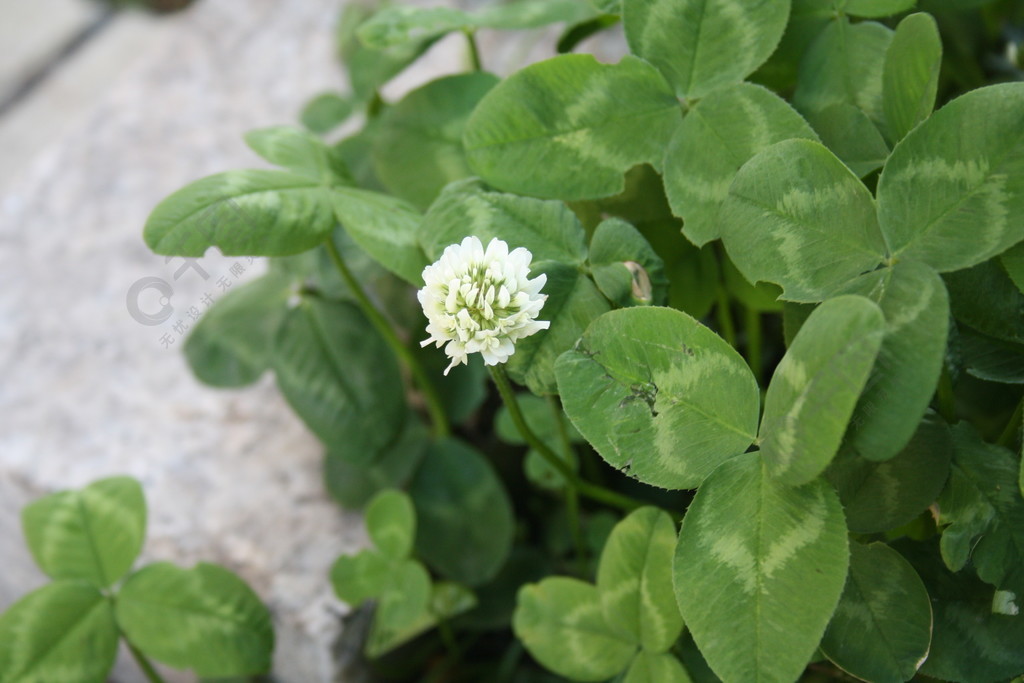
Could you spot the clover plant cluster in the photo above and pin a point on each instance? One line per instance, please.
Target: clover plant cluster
(732, 329)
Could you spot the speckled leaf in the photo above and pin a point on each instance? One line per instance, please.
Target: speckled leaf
(624, 265)
(205, 619)
(902, 382)
(851, 135)
(391, 523)
(465, 523)
(634, 579)
(300, 152)
(533, 133)
(63, 632)
(910, 78)
(879, 496)
(561, 623)
(982, 512)
(952, 192)
(883, 624)
(816, 386)
(797, 217)
(659, 395)
(385, 227)
(93, 534)
(701, 44)
(720, 133)
(758, 570)
(243, 213)
(656, 668)
(417, 149)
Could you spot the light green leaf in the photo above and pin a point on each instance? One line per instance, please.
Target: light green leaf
(385, 227)
(242, 213)
(418, 146)
(548, 229)
(561, 623)
(625, 267)
(465, 522)
(340, 377)
(910, 78)
(63, 632)
(816, 386)
(797, 217)
(952, 192)
(231, 345)
(369, 69)
(634, 579)
(93, 534)
(659, 395)
(851, 135)
(656, 668)
(758, 570)
(883, 624)
(300, 152)
(984, 298)
(363, 576)
(903, 379)
(875, 8)
(844, 65)
(878, 496)
(205, 619)
(701, 44)
(391, 523)
(720, 133)
(982, 512)
(537, 131)
(573, 303)
(326, 111)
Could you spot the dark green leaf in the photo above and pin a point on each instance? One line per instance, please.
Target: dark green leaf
(1013, 262)
(985, 298)
(874, 8)
(625, 267)
(991, 359)
(851, 135)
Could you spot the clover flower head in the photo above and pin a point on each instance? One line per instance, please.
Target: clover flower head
(479, 300)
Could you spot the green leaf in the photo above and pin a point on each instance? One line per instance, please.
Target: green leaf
(363, 576)
(878, 496)
(326, 111)
(906, 372)
(573, 303)
(982, 512)
(418, 147)
(970, 643)
(910, 78)
(984, 298)
(369, 69)
(659, 395)
(93, 534)
(991, 359)
(883, 624)
(385, 227)
(242, 213)
(720, 133)
(300, 152)
(875, 8)
(1013, 262)
(339, 376)
(465, 522)
(561, 623)
(541, 415)
(693, 278)
(391, 523)
(763, 297)
(634, 579)
(625, 267)
(701, 44)
(816, 386)
(656, 668)
(548, 229)
(534, 132)
(758, 570)
(231, 345)
(845, 65)
(852, 136)
(797, 217)
(205, 619)
(953, 188)
(63, 632)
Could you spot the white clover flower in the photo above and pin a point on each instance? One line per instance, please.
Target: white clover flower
(481, 301)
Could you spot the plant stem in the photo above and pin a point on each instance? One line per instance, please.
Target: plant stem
(572, 499)
(724, 313)
(147, 668)
(753, 328)
(598, 493)
(474, 51)
(947, 404)
(1012, 427)
(380, 323)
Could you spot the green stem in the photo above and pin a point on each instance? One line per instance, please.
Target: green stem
(724, 313)
(753, 326)
(572, 499)
(947, 404)
(584, 488)
(474, 51)
(430, 395)
(147, 668)
(1012, 427)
